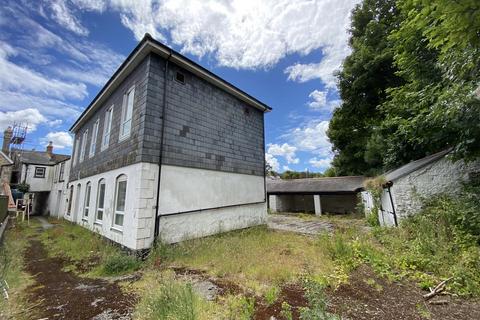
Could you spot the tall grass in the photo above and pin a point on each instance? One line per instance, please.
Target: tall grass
(12, 271)
(82, 247)
(166, 298)
(255, 257)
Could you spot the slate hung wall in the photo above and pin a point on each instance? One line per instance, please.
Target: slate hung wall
(212, 174)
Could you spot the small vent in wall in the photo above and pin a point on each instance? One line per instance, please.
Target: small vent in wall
(180, 77)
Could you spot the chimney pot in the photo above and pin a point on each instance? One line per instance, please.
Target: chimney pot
(7, 136)
(50, 148)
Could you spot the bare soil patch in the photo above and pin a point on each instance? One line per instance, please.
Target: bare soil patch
(367, 296)
(57, 294)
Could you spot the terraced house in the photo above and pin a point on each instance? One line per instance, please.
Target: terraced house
(167, 149)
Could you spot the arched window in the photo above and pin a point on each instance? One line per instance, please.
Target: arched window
(120, 197)
(86, 203)
(100, 200)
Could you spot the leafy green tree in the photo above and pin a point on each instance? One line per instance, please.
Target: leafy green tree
(366, 75)
(437, 53)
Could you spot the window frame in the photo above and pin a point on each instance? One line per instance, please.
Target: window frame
(127, 110)
(84, 145)
(86, 201)
(40, 176)
(61, 172)
(116, 212)
(93, 142)
(69, 206)
(107, 125)
(75, 151)
(101, 182)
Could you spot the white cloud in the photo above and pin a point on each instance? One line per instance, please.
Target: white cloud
(286, 168)
(60, 139)
(311, 137)
(12, 101)
(63, 15)
(91, 5)
(284, 150)
(320, 163)
(319, 99)
(246, 34)
(272, 161)
(30, 117)
(320, 102)
(18, 78)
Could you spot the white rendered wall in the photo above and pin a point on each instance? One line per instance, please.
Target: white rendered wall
(410, 191)
(57, 207)
(139, 219)
(186, 189)
(37, 184)
(318, 204)
(176, 228)
(220, 202)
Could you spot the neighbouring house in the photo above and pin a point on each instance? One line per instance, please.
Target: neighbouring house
(167, 149)
(315, 195)
(36, 169)
(58, 198)
(407, 187)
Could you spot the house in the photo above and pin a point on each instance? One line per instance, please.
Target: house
(167, 149)
(407, 187)
(315, 195)
(58, 198)
(36, 169)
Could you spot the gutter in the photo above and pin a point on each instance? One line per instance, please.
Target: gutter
(164, 107)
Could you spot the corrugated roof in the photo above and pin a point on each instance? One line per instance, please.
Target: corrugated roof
(316, 185)
(39, 157)
(415, 165)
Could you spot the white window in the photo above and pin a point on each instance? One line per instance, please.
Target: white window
(84, 145)
(40, 172)
(100, 200)
(93, 143)
(120, 195)
(75, 151)
(127, 110)
(107, 127)
(62, 171)
(86, 204)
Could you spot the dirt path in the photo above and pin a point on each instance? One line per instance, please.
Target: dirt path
(369, 297)
(57, 294)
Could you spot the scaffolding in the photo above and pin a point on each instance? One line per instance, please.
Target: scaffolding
(19, 134)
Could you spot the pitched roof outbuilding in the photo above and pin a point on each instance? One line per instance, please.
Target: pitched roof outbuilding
(39, 157)
(316, 185)
(415, 165)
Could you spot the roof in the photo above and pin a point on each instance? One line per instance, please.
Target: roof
(7, 158)
(148, 45)
(40, 157)
(316, 185)
(415, 165)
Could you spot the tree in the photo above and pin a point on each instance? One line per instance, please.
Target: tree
(366, 75)
(437, 54)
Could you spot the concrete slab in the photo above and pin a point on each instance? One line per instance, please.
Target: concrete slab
(45, 224)
(298, 225)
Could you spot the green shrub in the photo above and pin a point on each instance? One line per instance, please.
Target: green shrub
(240, 307)
(119, 263)
(317, 303)
(272, 295)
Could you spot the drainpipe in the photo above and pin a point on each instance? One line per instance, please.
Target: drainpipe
(164, 106)
(389, 185)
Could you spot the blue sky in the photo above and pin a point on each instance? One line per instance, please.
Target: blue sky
(56, 55)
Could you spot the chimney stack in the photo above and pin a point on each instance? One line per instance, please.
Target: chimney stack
(50, 149)
(7, 137)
